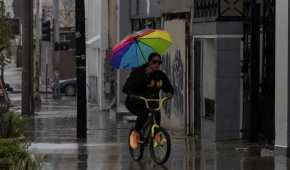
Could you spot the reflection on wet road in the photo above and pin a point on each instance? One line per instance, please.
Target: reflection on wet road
(55, 144)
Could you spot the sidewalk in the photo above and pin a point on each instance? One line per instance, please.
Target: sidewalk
(13, 76)
(54, 142)
(106, 147)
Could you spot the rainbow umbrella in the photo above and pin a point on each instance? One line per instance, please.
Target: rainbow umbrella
(134, 49)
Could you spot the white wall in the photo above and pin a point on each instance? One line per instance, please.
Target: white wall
(281, 74)
(93, 29)
(209, 69)
(97, 45)
(93, 20)
(174, 64)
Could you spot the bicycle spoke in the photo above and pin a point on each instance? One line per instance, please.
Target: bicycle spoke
(160, 147)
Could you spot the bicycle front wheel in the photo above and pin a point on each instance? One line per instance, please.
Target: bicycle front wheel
(136, 153)
(160, 146)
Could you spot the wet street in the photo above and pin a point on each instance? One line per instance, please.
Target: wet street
(54, 143)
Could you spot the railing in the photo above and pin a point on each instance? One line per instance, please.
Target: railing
(205, 8)
(218, 9)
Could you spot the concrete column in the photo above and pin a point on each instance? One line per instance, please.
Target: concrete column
(221, 88)
(282, 77)
(227, 115)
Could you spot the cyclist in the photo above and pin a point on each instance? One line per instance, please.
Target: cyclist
(147, 81)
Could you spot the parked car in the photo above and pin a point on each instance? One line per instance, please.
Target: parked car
(67, 86)
(8, 87)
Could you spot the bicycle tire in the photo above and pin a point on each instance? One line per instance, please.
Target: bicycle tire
(136, 154)
(160, 159)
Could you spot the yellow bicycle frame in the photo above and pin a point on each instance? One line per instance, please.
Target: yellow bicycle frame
(161, 102)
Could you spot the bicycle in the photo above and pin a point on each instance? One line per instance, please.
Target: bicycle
(157, 137)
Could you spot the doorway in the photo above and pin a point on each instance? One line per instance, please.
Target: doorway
(258, 72)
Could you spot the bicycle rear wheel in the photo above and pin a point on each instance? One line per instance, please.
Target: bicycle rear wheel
(137, 153)
(160, 146)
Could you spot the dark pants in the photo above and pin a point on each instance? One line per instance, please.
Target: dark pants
(139, 109)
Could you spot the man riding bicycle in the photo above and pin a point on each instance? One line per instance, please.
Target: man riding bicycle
(147, 81)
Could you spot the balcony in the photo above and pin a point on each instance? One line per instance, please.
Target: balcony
(214, 10)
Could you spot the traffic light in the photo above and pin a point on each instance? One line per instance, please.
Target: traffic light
(45, 27)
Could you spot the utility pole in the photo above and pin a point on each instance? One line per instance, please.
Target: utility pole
(37, 55)
(27, 58)
(56, 93)
(81, 70)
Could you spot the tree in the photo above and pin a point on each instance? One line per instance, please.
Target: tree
(5, 36)
(5, 31)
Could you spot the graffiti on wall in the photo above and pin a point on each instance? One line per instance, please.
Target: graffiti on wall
(178, 82)
(175, 71)
(166, 66)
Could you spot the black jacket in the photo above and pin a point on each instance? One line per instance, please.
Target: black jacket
(138, 81)
(137, 84)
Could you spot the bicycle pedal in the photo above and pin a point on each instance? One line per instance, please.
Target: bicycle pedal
(161, 143)
(156, 144)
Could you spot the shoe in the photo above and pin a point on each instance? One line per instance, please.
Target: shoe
(134, 139)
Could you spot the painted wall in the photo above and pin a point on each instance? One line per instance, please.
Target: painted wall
(174, 66)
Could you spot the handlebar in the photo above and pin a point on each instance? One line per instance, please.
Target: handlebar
(161, 101)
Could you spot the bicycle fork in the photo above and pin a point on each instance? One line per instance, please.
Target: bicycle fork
(154, 128)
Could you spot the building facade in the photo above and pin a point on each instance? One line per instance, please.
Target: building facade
(105, 27)
(176, 19)
(98, 42)
(221, 64)
(93, 42)
(217, 33)
(141, 14)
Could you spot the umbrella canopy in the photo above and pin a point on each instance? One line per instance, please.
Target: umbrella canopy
(134, 50)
